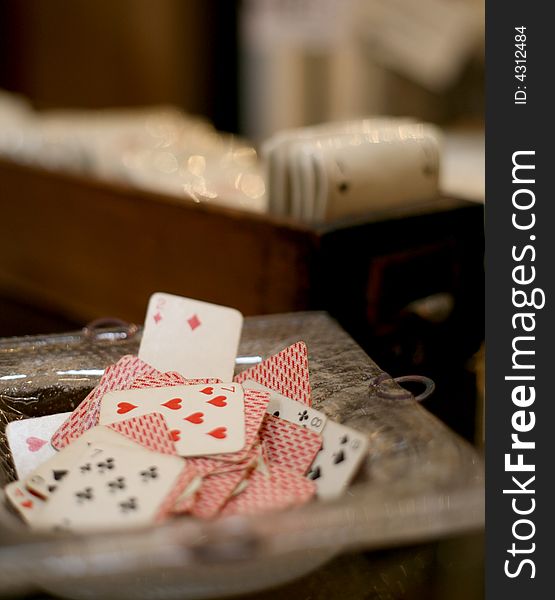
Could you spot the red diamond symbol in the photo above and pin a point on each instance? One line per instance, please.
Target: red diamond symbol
(194, 322)
(157, 317)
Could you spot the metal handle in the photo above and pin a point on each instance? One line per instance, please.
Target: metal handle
(429, 387)
(92, 328)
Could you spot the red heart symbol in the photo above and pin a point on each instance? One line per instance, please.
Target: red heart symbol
(175, 435)
(218, 401)
(219, 433)
(173, 404)
(207, 391)
(125, 407)
(35, 444)
(27, 504)
(195, 418)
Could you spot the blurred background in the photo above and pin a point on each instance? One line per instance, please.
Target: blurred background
(251, 67)
(116, 180)
(85, 211)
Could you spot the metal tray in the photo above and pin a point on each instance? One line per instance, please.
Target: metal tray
(420, 480)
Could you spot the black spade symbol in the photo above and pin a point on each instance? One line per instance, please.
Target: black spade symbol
(276, 413)
(338, 457)
(344, 439)
(59, 474)
(315, 473)
(52, 488)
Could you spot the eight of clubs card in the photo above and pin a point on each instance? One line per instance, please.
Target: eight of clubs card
(288, 409)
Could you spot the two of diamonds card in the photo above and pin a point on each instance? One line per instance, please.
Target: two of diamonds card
(194, 338)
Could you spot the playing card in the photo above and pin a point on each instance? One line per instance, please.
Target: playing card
(285, 372)
(168, 379)
(47, 477)
(194, 338)
(290, 410)
(182, 493)
(25, 503)
(149, 431)
(276, 490)
(209, 466)
(184, 503)
(255, 408)
(214, 492)
(115, 487)
(342, 453)
(116, 377)
(203, 419)
(289, 446)
(29, 441)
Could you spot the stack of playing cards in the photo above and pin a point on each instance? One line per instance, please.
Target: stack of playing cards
(171, 432)
(336, 170)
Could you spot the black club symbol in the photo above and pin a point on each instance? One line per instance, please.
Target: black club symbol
(106, 465)
(85, 468)
(303, 416)
(150, 473)
(86, 494)
(117, 484)
(128, 505)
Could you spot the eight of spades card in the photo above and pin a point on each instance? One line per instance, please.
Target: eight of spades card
(342, 453)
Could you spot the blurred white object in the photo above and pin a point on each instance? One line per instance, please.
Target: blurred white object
(159, 149)
(428, 41)
(302, 65)
(351, 168)
(311, 61)
(463, 168)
